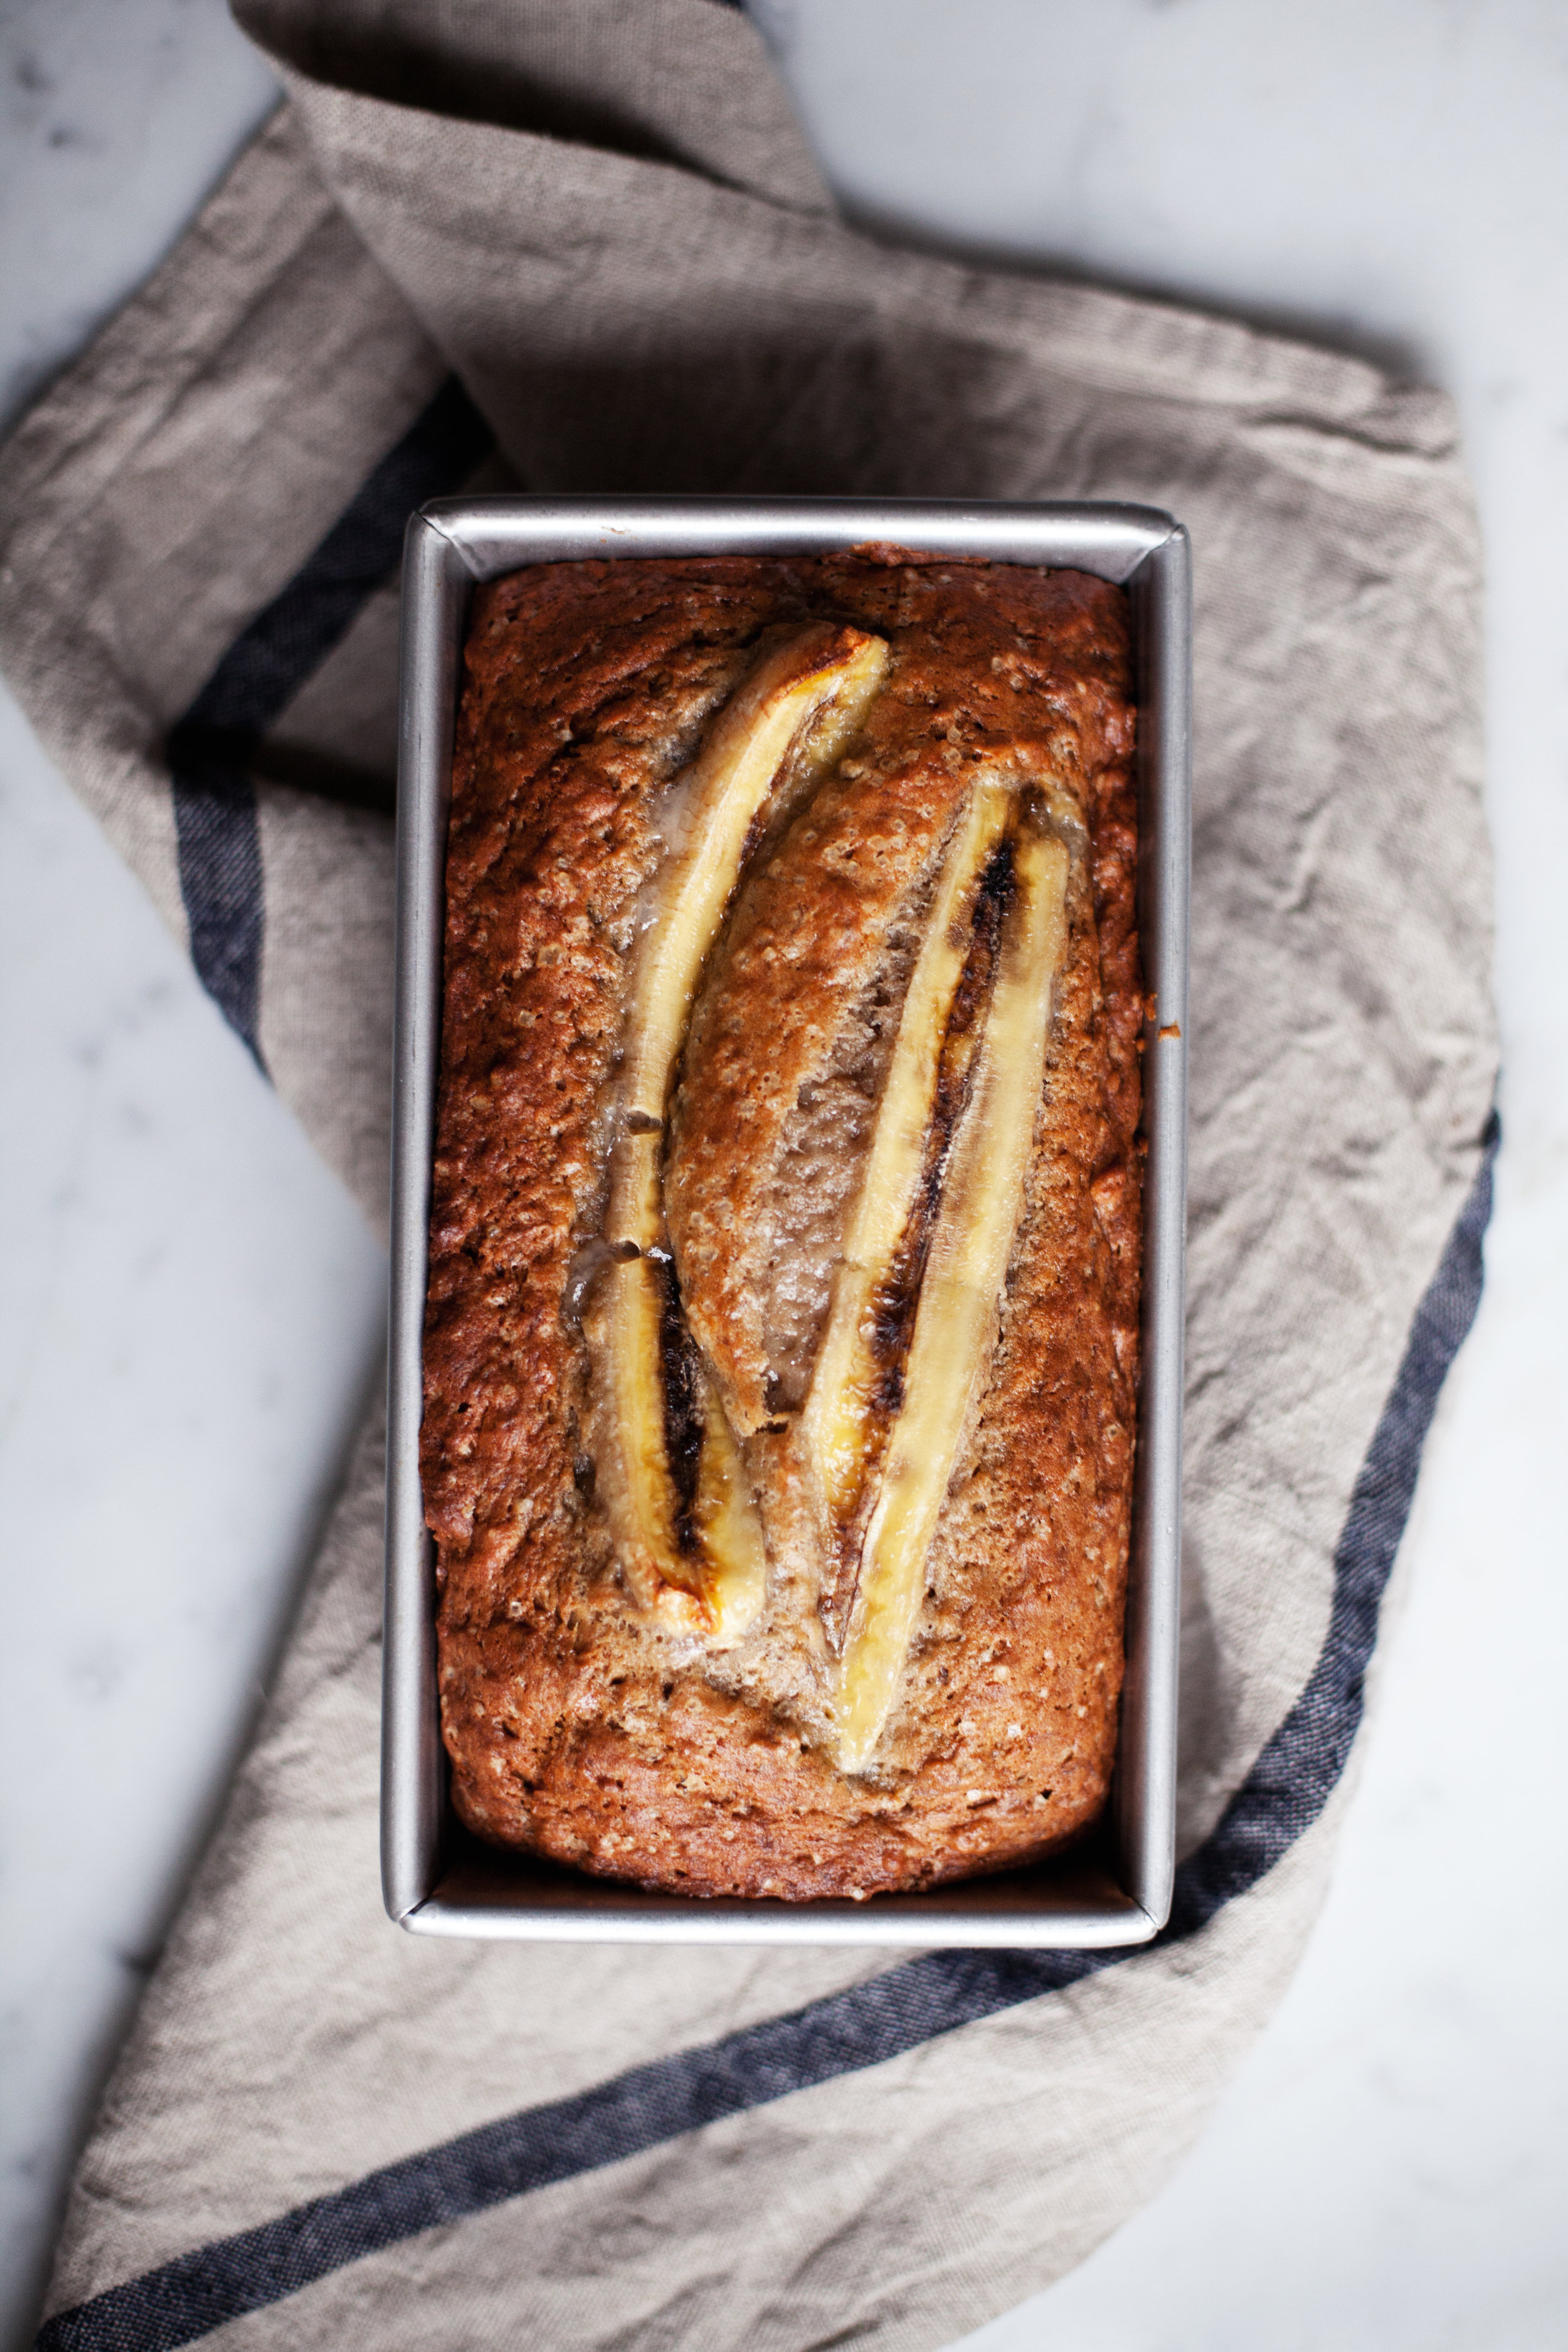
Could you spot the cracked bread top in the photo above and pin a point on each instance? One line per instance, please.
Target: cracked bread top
(585, 1717)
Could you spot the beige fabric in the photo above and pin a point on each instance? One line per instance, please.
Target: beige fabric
(602, 215)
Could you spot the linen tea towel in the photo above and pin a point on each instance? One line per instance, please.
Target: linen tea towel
(582, 247)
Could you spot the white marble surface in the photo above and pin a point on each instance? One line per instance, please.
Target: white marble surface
(180, 1279)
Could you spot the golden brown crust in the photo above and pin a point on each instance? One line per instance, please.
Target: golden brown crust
(575, 1727)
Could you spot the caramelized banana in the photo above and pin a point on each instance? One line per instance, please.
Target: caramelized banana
(955, 1316)
(671, 1470)
(846, 1412)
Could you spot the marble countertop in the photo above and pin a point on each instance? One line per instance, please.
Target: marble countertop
(190, 1307)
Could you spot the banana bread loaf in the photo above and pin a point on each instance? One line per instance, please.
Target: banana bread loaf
(781, 1338)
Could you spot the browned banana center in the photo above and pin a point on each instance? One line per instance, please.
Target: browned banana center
(888, 1315)
(914, 1316)
(898, 1294)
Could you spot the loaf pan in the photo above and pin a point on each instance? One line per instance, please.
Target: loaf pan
(1115, 1889)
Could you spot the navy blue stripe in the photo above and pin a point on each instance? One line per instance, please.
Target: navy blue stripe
(219, 844)
(870, 2022)
(210, 750)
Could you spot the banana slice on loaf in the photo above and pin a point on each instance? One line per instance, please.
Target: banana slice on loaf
(669, 1470)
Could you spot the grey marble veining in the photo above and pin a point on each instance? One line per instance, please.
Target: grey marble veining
(189, 1307)
(116, 118)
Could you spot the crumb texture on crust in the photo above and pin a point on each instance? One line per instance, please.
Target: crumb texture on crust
(581, 1723)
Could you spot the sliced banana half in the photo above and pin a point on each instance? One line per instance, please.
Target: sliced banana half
(859, 1367)
(670, 1472)
(914, 1322)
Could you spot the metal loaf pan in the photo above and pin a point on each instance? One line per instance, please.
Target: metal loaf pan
(1115, 1889)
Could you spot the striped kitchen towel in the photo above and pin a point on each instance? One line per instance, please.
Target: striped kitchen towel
(580, 245)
